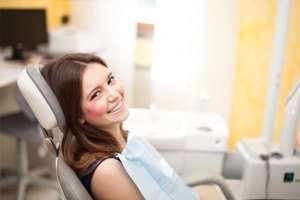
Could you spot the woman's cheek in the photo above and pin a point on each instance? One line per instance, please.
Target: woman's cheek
(96, 110)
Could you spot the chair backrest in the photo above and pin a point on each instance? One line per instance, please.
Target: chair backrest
(46, 108)
(24, 105)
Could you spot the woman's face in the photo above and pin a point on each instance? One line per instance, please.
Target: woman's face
(103, 99)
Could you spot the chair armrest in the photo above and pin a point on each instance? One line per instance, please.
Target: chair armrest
(199, 178)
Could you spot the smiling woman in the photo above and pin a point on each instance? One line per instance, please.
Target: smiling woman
(83, 85)
(94, 105)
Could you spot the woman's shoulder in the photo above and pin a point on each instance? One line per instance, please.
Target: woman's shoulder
(108, 167)
(111, 176)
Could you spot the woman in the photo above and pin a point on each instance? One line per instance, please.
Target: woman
(94, 104)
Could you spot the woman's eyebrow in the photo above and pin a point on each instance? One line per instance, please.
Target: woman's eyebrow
(107, 78)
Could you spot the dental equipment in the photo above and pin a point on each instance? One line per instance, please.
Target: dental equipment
(274, 173)
(267, 173)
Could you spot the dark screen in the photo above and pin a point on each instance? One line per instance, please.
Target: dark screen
(26, 26)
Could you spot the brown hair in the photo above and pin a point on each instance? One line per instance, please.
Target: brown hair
(82, 143)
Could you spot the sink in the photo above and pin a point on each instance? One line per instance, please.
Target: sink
(179, 129)
(184, 138)
(209, 130)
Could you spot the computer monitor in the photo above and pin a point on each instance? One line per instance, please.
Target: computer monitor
(22, 29)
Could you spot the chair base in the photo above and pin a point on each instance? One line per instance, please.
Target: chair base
(24, 177)
(25, 181)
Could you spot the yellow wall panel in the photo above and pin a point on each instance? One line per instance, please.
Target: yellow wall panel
(55, 8)
(256, 32)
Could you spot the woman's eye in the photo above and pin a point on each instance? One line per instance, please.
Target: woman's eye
(95, 95)
(111, 80)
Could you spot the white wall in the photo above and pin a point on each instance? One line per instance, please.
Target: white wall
(220, 54)
(197, 53)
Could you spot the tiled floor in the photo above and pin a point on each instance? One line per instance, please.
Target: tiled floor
(33, 193)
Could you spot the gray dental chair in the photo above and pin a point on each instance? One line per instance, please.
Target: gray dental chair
(48, 111)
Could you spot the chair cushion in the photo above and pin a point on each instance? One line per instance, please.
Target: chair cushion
(69, 182)
(18, 125)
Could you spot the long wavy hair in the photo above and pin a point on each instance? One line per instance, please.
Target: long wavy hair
(81, 143)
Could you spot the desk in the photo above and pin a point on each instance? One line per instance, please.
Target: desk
(9, 73)
(10, 70)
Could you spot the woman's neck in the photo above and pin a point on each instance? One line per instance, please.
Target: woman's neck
(115, 130)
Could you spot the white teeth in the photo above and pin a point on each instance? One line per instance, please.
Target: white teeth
(117, 107)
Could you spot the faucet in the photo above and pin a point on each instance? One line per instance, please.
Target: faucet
(291, 121)
(203, 99)
(153, 111)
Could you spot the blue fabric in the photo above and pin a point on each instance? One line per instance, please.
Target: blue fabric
(154, 177)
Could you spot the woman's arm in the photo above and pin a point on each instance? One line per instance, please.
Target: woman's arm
(111, 181)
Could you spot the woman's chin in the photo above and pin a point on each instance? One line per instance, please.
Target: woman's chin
(125, 113)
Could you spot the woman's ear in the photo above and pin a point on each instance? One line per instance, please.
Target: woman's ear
(81, 121)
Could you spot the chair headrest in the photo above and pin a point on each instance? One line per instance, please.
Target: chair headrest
(40, 98)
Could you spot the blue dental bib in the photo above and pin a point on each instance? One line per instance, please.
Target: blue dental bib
(150, 172)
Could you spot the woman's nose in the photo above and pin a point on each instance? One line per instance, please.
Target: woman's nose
(112, 94)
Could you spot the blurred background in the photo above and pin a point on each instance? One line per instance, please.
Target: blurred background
(207, 55)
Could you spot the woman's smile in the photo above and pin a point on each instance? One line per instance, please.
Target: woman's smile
(117, 108)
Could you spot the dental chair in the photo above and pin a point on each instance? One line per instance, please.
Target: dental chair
(48, 111)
